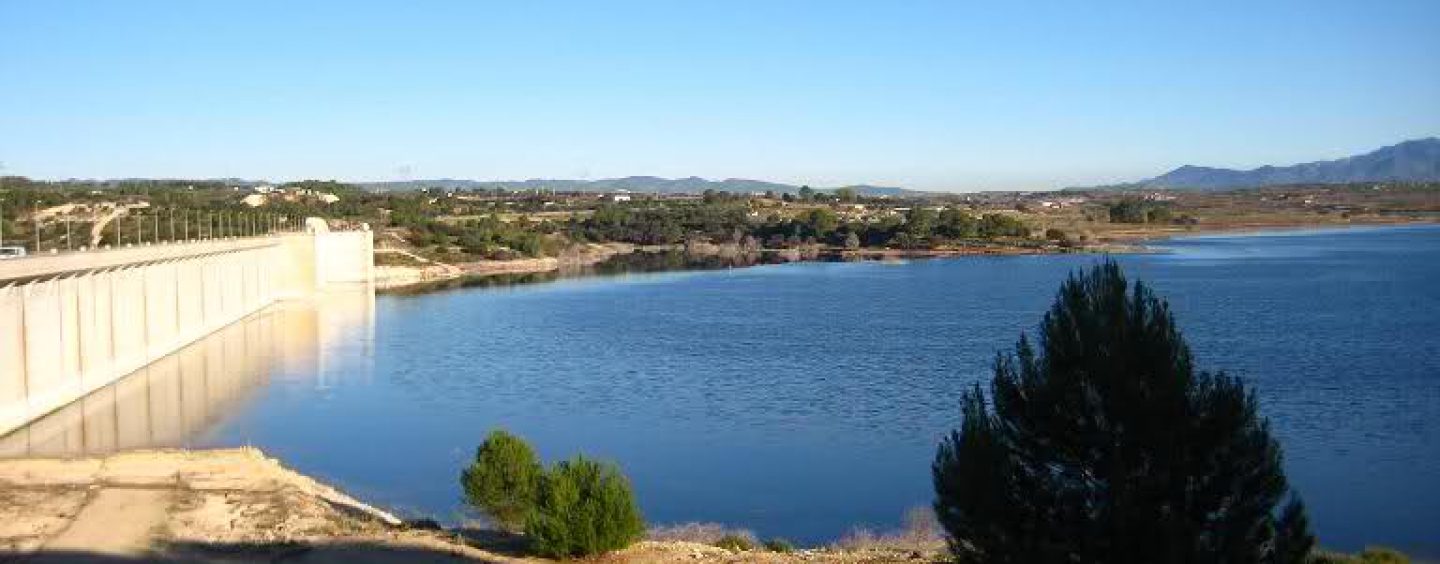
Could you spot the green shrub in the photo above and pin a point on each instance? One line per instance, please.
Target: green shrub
(503, 480)
(779, 545)
(583, 507)
(735, 542)
(1383, 555)
(1371, 555)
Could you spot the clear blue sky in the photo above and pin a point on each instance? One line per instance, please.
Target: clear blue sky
(937, 95)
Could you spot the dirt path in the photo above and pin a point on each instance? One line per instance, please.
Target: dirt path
(450, 269)
(97, 230)
(116, 522)
(226, 505)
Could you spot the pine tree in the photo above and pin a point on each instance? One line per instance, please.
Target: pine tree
(1104, 445)
(503, 479)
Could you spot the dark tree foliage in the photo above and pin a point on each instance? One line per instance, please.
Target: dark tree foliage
(654, 226)
(1104, 445)
(1136, 210)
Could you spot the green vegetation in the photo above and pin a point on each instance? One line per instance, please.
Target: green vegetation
(584, 507)
(503, 480)
(779, 545)
(729, 220)
(453, 225)
(1138, 210)
(735, 542)
(1105, 445)
(1371, 555)
(487, 224)
(578, 507)
(484, 238)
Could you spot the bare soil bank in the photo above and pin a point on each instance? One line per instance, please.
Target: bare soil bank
(237, 505)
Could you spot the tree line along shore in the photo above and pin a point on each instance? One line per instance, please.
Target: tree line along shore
(479, 226)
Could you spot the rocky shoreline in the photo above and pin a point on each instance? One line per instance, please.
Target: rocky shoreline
(698, 256)
(581, 260)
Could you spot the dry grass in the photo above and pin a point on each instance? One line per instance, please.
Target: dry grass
(702, 533)
(920, 532)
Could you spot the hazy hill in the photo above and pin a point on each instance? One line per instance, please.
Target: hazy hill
(1417, 160)
(651, 184)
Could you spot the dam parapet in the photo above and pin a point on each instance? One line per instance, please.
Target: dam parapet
(75, 322)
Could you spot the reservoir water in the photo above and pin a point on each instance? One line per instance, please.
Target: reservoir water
(799, 400)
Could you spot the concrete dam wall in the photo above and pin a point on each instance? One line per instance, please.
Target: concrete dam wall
(71, 324)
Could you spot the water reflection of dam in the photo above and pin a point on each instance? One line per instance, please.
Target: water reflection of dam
(179, 397)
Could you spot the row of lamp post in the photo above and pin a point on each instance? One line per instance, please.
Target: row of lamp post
(207, 225)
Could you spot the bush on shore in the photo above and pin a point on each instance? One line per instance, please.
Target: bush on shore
(1371, 555)
(736, 542)
(503, 480)
(919, 532)
(717, 535)
(583, 507)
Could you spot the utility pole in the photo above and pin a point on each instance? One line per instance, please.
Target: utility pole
(2, 223)
(35, 219)
(68, 246)
(172, 224)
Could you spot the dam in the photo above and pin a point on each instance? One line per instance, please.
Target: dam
(73, 323)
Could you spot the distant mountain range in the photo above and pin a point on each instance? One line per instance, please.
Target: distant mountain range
(648, 184)
(1414, 161)
(1410, 161)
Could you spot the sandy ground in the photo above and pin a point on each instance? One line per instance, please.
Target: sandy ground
(232, 505)
(237, 505)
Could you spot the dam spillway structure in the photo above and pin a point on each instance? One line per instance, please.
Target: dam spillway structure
(75, 322)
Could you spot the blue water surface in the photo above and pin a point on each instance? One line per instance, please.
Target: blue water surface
(803, 400)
